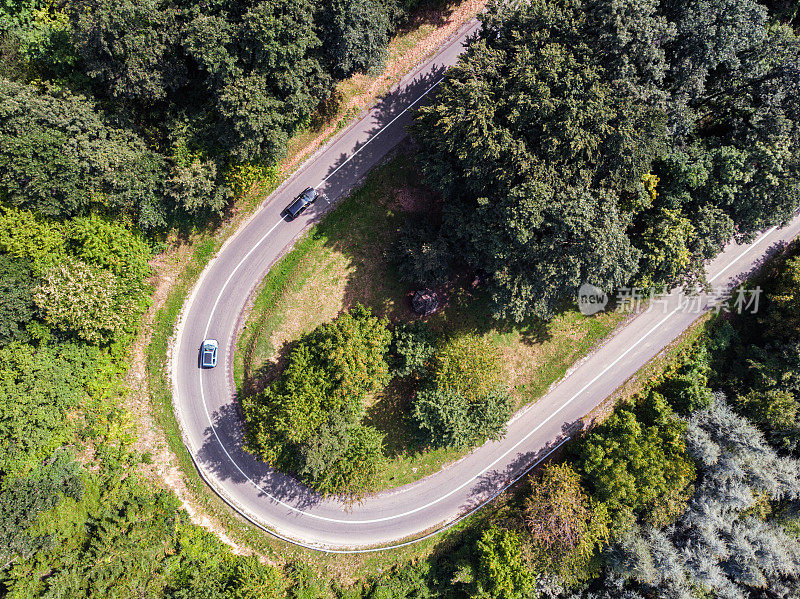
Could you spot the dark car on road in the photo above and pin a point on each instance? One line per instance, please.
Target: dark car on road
(208, 353)
(301, 202)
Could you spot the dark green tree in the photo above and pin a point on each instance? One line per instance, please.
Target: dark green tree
(16, 298)
(129, 48)
(355, 35)
(536, 152)
(59, 158)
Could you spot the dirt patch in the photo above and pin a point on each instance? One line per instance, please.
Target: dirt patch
(162, 468)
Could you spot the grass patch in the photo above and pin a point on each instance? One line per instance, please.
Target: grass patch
(343, 261)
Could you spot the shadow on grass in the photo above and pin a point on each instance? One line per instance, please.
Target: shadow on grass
(427, 12)
(256, 378)
(224, 446)
(391, 415)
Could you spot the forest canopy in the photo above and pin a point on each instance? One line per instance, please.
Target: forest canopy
(609, 142)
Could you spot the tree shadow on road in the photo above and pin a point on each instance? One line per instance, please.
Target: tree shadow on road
(223, 453)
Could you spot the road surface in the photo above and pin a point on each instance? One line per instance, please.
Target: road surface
(204, 400)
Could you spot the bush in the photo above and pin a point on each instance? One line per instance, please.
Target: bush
(309, 419)
(567, 528)
(81, 299)
(636, 463)
(412, 348)
(343, 459)
(16, 301)
(503, 571)
(465, 400)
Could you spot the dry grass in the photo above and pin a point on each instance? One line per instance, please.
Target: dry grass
(343, 261)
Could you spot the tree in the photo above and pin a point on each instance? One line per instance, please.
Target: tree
(465, 401)
(129, 48)
(58, 158)
(413, 346)
(718, 544)
(535, 152)
(636, 463)
(24, 500)
(567, 528)
(81, 299)
(309, 419)
(423, 257)
(503, 571)
(194, 187)
(343, 459)
(782, 320)
(281, 84)
(356, 35)
(16, 302)
(41, 388)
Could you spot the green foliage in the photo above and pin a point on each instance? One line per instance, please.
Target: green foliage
(465, 401)
(423, 257)
(343, 458)
(356, 34)
(448, 418)
(783, 317)
(58, 158)
(206, 568)
(413, 345)
(16, 302)
(468, 364)
(24, 500)
(41, 390)
(503, 570)
(687, 388)
(129, 48)
(548, 137)
(636, 463)
(567, 528)
(534, 150)
(81, 299)
(309, 419)
(718, 544)
(25, 235)
(194, 187)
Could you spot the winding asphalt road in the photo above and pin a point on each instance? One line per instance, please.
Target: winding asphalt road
(204, 400)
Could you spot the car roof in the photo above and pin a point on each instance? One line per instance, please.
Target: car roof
(296, 205)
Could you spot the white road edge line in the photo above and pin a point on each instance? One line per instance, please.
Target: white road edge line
(468, 481)
(541, 424)
(740, 256)
(389, 124)
(454, 490)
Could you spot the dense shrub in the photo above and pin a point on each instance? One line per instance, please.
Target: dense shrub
(567, 528)
(468, 364)
(636, 463)
(309, 419)
(413, 346)
(16, 298)
(448, 418)
(464, 400)
(59, 158)
(503, 571)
